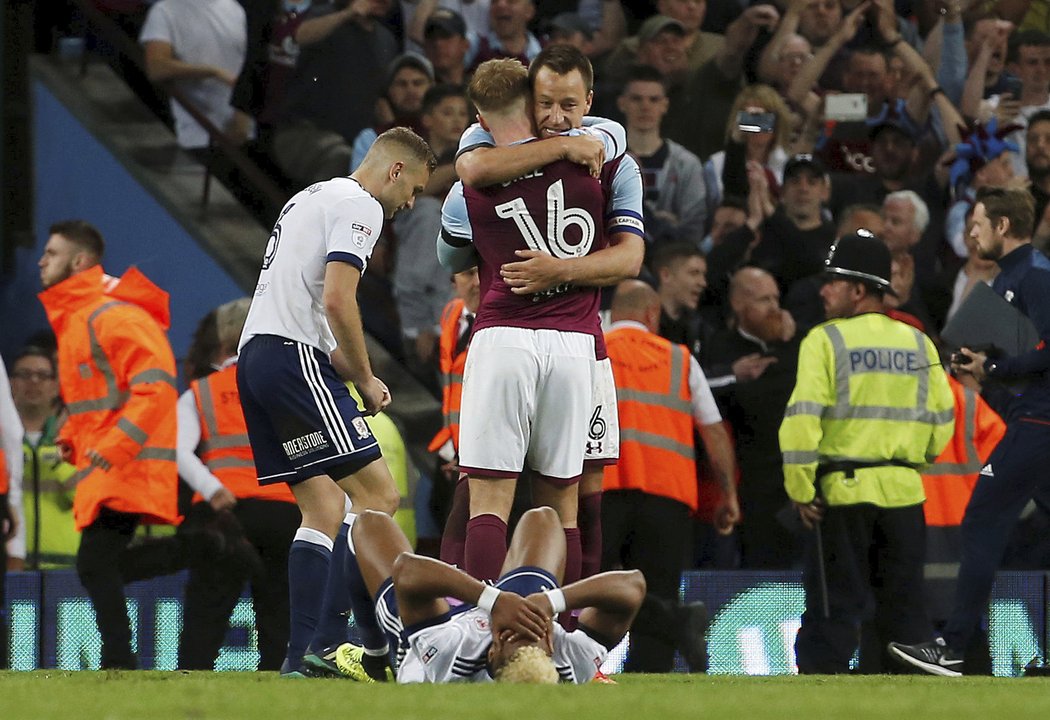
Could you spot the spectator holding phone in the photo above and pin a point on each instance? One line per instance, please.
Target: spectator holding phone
(1028, 60)
(760, 126)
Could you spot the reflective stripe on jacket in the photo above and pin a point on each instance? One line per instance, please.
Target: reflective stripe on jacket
(451, 365)
(117, 375)
(871, 390)
(224, 444)
(51, 537)
(657, 455)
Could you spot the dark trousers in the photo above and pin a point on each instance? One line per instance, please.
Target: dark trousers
(214, 588)
(652, 534)
(106, 561)
(873, 563)
(765, 544)
(1021, 471)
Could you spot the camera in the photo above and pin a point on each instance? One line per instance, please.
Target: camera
(958, 358)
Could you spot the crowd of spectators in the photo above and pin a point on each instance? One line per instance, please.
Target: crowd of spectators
(763, 133)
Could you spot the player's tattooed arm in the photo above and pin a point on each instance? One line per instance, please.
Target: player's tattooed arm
(418, 580)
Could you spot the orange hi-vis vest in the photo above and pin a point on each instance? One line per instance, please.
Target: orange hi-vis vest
(451, 365)
(117, 376)
(950, 480)
(224, 444)
(948, 483)
(4, 479)
(657, 454)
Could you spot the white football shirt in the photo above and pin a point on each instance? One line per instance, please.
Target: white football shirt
(332, 221)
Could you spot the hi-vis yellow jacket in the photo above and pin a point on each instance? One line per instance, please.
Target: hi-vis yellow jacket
(870, 390)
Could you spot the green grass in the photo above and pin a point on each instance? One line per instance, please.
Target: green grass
(260, 696)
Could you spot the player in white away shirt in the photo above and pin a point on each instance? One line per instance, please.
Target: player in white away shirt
(503, 632)
(304, 427)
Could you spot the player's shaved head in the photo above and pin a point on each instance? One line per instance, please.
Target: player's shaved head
(499, 87)
(402, 144)
(396, 169)
(635, 300)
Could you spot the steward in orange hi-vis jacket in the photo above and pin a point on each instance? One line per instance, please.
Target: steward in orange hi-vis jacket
(117, 375)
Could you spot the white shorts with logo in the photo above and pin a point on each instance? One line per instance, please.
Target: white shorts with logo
(527, 400)
(603, 428)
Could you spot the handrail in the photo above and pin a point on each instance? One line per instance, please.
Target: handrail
(117, 38)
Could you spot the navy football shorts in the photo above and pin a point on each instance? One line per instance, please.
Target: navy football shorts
(302, 421)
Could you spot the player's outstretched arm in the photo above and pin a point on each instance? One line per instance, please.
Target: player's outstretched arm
(538, 271)
(609, 601)
(419, 580)
(490, 165)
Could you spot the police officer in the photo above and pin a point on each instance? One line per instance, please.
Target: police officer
(871, 405)
(1016, 471)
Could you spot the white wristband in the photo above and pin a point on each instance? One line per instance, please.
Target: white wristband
(488, 596)
(557, 599)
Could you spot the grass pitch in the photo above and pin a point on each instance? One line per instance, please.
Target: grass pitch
(58, 695)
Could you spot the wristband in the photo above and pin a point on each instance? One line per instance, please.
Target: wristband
(487, 599)
(557, 599)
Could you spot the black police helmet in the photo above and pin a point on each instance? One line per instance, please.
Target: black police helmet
(863, 257)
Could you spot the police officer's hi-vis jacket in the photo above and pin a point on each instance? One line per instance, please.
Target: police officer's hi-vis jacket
(871, 404)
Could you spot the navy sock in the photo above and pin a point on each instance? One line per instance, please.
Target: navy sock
(308, 561)
(334, 622)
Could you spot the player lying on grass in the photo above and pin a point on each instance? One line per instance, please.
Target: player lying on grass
(503, 632)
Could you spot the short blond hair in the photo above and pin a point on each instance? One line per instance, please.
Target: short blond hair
(529, 665)
(498, 84)
(401, 141)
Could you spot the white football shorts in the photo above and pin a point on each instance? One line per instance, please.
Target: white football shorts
(527, 400)
(602, 445)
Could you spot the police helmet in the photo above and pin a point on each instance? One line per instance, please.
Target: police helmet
(863, 257)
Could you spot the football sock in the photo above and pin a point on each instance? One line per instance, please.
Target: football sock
(590, 520)
(455, 536)
(572, 573)
(308, 561)
(573, 557)
(333, 623)
(485, 548)
(375, 662)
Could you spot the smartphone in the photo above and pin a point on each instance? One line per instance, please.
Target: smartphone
(1013, 86)
(756, 122)
(846, 107)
